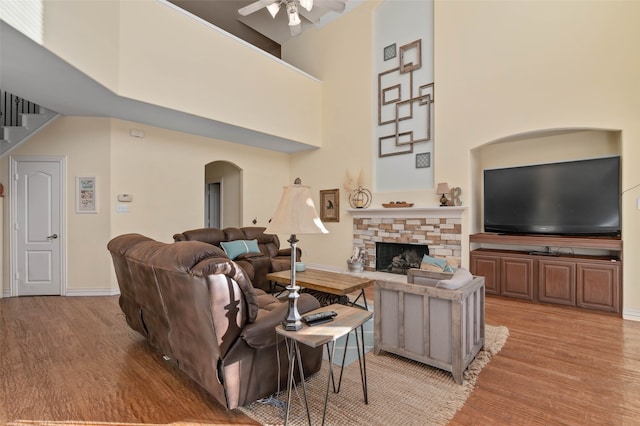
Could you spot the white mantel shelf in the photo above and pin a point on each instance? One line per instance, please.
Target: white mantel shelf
(409, 212)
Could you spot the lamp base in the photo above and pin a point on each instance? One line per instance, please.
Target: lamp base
(294, 326)
(292, 322)
(443, 201)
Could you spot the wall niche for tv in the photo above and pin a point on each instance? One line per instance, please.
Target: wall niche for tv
(574, 269)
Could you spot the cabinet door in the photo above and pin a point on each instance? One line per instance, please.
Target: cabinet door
(557, 281)
(516, 277)
(487, 266)
(598, 286)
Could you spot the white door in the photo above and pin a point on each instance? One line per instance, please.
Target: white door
(37, 226)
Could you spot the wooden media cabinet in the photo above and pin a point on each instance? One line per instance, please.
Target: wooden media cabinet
(560, 277)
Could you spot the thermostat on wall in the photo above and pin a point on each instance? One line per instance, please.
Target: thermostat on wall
(125, 198)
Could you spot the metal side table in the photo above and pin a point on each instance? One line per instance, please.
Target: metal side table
(348, 319)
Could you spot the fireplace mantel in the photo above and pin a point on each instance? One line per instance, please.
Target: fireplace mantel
(409, 212)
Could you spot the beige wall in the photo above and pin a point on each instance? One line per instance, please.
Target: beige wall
(510, 68)
(125, 46)
(340, 55)
(85, 144)
(164, 171)
(85, 34)
(501, 69)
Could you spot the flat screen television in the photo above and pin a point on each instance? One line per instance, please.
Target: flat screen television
(569, 198)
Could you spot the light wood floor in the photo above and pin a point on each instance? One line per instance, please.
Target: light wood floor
(74, 358)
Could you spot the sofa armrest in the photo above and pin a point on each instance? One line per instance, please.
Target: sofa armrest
(287, 252)
(259, 266)
(262, 332)
(248, 256)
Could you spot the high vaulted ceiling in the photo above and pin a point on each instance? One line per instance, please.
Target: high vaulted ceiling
(224, 14)
(259, 28)
(31, 71)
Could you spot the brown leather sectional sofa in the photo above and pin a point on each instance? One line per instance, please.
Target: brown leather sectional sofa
(197, 307)
(256, 265)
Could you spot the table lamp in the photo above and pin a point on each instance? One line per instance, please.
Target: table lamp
(296, 214)
(443, 189)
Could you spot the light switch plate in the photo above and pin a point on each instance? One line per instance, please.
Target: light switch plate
(122, 208)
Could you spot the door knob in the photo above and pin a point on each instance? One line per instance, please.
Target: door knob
(52, 237)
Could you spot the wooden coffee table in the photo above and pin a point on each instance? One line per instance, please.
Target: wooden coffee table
(335, 283)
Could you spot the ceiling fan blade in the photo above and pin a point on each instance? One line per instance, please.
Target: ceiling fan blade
(334, 5)
(312, 16)
(255, 6)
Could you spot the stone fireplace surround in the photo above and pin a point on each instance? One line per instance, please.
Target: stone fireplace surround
(440, 228)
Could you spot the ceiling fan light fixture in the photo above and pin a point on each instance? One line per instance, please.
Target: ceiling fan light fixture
(294, 18)
(273, 9)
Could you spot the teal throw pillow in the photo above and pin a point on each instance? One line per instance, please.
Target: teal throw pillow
(449, 268)
(441, 263)
(238, 247)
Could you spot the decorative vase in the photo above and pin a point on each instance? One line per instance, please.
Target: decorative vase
(355, 266)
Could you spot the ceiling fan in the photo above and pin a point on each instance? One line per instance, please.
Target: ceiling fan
(293, 10)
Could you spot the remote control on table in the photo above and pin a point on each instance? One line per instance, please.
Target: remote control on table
(319, 318)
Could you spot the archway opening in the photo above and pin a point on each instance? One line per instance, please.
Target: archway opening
(223, 195)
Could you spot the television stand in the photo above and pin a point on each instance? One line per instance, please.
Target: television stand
(548, 276)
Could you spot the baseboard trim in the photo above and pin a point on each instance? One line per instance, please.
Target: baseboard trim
(93, 292)
(631, 314)
(82, 292)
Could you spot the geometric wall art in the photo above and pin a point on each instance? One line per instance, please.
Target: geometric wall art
(423, 160)
(389, 52)
(404, 106)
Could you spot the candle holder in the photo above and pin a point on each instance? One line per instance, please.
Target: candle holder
(360, 198)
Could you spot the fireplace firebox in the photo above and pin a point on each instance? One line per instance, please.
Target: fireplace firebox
(398, 258)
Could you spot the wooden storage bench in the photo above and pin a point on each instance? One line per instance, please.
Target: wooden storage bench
(436, 326)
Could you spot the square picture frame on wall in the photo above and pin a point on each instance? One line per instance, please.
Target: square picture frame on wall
(330, 205)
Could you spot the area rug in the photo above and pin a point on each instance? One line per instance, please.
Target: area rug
(401, 392)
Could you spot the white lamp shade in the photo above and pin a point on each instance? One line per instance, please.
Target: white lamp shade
(296, 213)
(294, 19)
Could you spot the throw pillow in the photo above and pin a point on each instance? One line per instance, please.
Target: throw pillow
(459, 278)
(433, 264)
(238, 247)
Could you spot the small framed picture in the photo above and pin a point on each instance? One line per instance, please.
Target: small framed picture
(86, 198)
(330, 205)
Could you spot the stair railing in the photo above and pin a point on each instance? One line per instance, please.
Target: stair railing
(11, 108)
